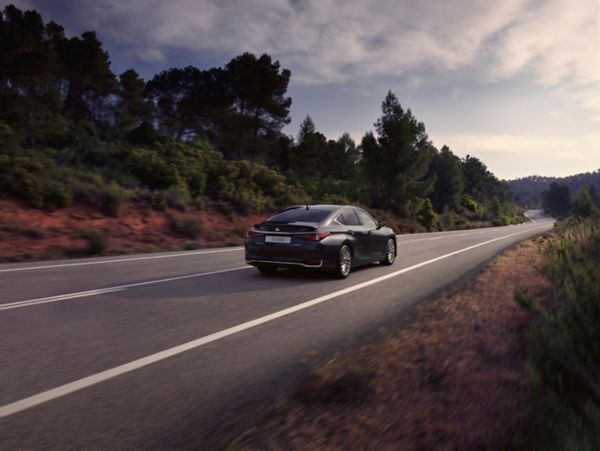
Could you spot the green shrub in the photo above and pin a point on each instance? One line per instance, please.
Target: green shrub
(448, 219)
(113, 199)
(97, 242)
(57, 195)
(151, 169)
(564, 344)
(224, 207)
(583, 206)
(187, 227)
(177, 197)
(427, 216)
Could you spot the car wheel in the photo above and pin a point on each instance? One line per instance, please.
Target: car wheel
(344, 262)
(390, 253)
(267, 269)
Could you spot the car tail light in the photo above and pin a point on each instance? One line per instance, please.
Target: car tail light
(252, 234)
(312, 236)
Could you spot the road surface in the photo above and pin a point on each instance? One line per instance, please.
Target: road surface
(188, 349)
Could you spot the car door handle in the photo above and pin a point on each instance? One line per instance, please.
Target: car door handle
(350, 232)
(370, 232)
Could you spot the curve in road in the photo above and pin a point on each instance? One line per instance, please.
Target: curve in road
(185, 349)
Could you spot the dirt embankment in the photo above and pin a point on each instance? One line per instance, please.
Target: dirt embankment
(31, 234)
(454, 378)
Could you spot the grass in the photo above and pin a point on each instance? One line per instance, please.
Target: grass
(564, 343)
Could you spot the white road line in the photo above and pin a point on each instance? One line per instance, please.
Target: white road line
(421, 239)
(119, 260)
(84, 294)
(94, 379)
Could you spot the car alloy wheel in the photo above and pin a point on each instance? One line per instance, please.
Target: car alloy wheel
(345, 262)
(390, 252)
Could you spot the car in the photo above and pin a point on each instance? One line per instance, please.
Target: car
(335, 238)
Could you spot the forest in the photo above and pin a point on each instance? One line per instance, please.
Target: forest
(74, 132)
(528, 191)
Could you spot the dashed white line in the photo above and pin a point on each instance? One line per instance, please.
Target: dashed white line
(119, 260)
(84, 294)
(97, 378)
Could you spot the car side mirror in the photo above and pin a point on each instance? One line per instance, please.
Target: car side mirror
(380, 224)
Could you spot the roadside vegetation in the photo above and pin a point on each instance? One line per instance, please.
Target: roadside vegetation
(74, 133)
(564, 346)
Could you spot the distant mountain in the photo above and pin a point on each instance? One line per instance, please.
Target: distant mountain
(527, 190)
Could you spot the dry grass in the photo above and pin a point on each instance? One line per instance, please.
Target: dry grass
(31, 234)
(452, 379)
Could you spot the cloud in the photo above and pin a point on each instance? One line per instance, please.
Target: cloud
(518, 155)
(335, 40)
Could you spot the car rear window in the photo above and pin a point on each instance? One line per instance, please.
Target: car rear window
(300, 214)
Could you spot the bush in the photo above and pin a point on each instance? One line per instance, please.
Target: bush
(57, 195)
(225, 208)
(427, 216)
(564, 345)
(97, 242)
(177, 197)
(583, 206)
(187, 227)
(113, 199)
(151, 169)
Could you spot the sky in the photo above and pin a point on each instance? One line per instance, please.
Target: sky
(515, 83)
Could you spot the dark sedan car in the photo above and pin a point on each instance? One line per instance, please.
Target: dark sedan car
(330, 237)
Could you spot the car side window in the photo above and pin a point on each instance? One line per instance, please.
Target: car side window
(366, 220)
(341, 220)
(350, 218)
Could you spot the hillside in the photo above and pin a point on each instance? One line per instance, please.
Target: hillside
(75, 136)
(527, 190)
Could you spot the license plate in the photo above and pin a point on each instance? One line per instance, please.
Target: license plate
(277, 239)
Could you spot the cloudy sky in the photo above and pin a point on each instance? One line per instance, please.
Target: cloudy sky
(513, 82)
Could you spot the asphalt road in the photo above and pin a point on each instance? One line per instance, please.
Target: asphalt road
(188, 349)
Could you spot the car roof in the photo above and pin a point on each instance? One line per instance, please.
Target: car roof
(329, 207)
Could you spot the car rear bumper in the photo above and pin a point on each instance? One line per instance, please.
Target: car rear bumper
(284, 263)
(311, 258)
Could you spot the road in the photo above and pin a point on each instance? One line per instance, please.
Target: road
(188, 349)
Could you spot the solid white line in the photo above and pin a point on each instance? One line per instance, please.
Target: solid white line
(119, 260)
(421, 239)
(80, 384)
(83, 294)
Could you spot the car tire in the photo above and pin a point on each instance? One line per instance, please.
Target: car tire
(267, 269)
(390, 253)
(344, 264)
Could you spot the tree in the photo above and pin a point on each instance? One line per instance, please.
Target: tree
(167, 90)
(583, 205)
(595, 195)
(89, 79)
(132, 108)
(28, 73)
(449, 181)
(258, 86)
(307, 158)
(557, 200)
(342, 159)
(396, 161)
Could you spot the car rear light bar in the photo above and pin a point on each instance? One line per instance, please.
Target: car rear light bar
(312, 236)
(299, 236)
